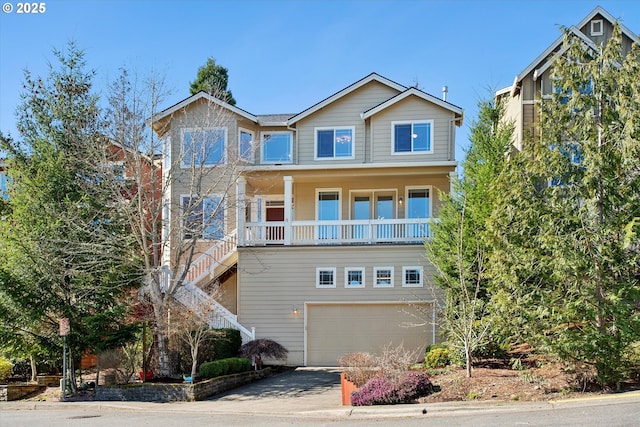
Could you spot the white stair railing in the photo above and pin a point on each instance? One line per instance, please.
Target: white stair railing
(206, 263)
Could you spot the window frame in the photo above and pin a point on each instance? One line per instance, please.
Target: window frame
(407, 268)
(429, 149)
(201, 237)
(363, 280)
(334, 129)
(320, 270)
(263, 160)
(251, 157)
(594, 24)
(377, 284)
(408, 188)
(223, 155)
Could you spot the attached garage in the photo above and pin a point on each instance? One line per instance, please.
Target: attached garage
(333, 329)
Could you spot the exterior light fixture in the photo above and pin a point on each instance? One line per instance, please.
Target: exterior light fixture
(295, 310)
(400, 201)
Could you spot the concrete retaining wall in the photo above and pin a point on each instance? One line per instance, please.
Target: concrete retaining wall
(17, 391)
(157, 392)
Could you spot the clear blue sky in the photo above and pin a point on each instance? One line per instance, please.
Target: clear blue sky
(284, 56)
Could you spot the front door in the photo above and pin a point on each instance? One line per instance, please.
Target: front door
(275, 213)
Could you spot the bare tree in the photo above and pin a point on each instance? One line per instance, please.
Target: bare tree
(189, 326)
(176, 196)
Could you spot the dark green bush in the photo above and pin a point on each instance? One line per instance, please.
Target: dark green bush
(226, 344)
(218, 368)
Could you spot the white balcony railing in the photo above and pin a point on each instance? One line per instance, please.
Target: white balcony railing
(414, 230)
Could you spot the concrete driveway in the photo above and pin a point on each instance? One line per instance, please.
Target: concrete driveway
(300, 390)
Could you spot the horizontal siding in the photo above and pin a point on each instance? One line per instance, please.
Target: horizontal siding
(343, 112)
(411, 108)
(272, 281)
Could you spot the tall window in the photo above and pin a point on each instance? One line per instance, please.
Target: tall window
(334, 143)
(203, 147)
(245, 145)
(3, 185)
(276, 147)
(412, 137)
(328, 210)
(203, 217)
(418, 206)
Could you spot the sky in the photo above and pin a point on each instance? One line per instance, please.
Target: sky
(283, 56)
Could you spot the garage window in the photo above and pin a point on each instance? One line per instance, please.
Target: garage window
(325, 277)
(383, 277)
(412, 276)
(354, 277)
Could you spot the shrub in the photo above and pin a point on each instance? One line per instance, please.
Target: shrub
(261, 348)
(381, 391)
(359, 368)
(226, 344)
(437, 357)
(218, 368)
(6, 369)
(378, 391)
(414, 384)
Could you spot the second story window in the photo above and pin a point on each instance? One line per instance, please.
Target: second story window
(203, 217)
(203, 147)
(412, 137)
(245, 145)
(332, 143)
(276, 147)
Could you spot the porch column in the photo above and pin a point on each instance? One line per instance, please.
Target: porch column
(288, 209)
(453, 177)
(241, 211)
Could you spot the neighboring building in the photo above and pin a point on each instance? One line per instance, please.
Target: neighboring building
(535, 83)
(321, 240)
(3, 180)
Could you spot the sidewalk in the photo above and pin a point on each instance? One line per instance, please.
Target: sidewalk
(307, 392)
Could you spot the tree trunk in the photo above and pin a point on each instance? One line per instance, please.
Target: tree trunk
(467, 357)
(34, 369)
(194, 363)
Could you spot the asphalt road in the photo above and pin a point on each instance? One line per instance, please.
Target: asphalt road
(311, 397)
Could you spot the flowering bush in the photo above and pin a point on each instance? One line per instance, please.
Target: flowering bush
(377, 391)
(380, 391)
(414, 384)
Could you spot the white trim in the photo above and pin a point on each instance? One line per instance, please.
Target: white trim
(335, 277)
(329, 190)
(223, 160)
(418, 268)
(429, 188)
(420, 94)
(375, 277)
(334, 129)
(348, 285)
(594, 24)
(200, 95)
(223, 206)
(262, 146)
(253, 144)
(431, 124)
(371, 77)
(327, 166)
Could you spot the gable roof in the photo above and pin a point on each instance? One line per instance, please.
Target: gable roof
(574, 30)
(198, 96)
(371, 77)
(420, 94)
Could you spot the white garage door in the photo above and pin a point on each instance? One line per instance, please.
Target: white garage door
(335, 329)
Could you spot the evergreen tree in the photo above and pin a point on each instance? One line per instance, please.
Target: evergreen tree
(64, 247)
(213, 79)
(566, 279)
(458, 247)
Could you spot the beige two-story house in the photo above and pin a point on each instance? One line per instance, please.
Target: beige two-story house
(535, 83)
(319, 242)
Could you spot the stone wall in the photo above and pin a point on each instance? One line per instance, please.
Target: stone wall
(157, 392)
(17, 391)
